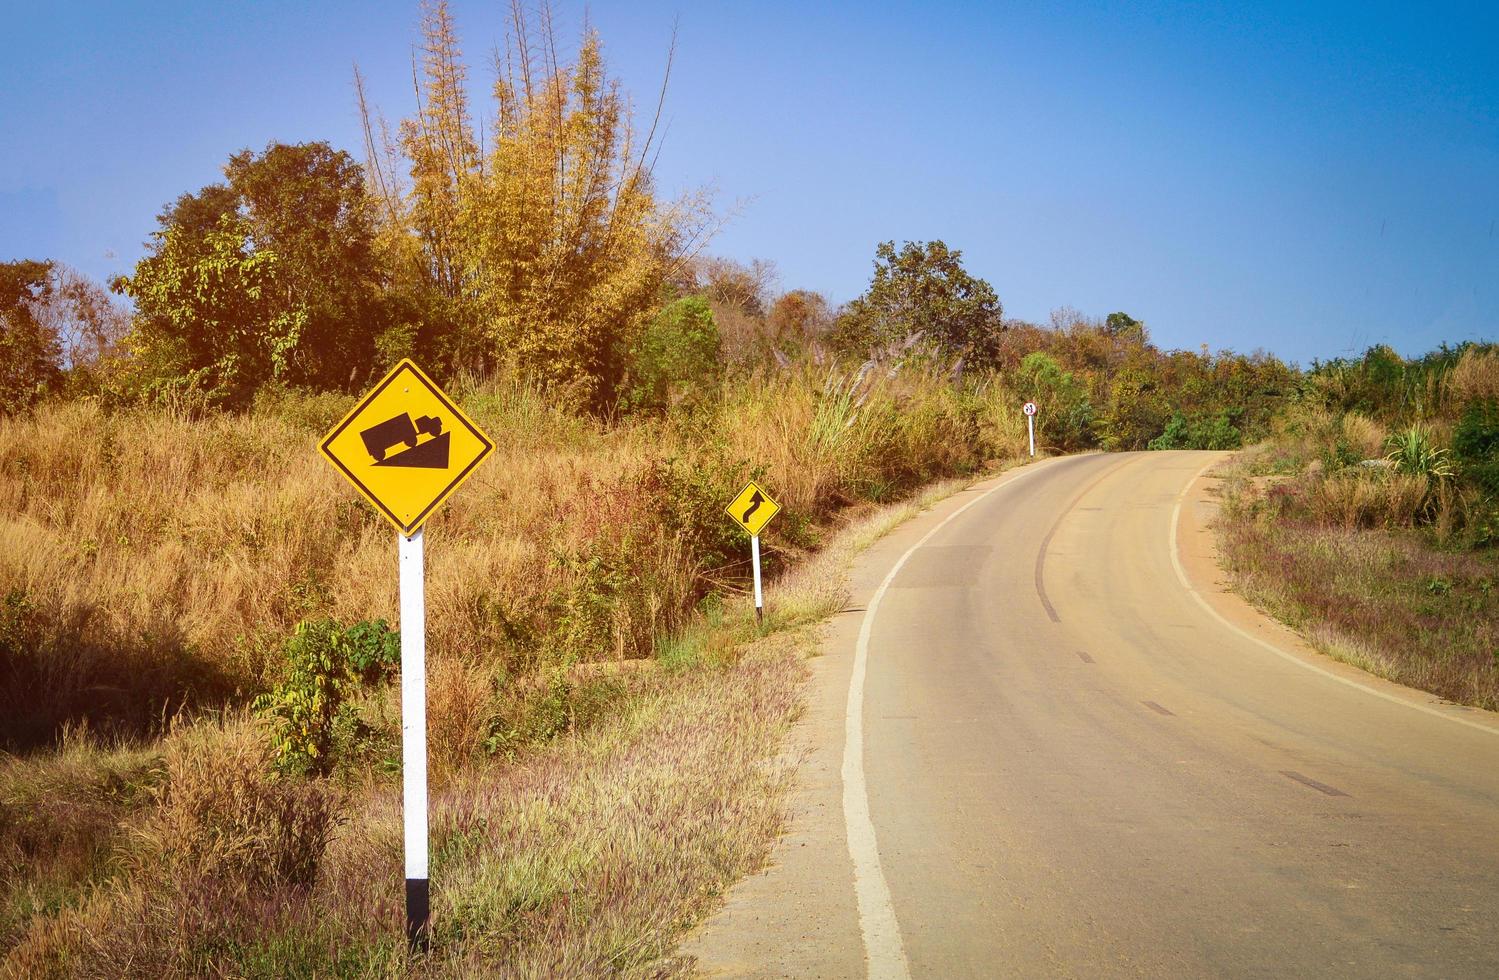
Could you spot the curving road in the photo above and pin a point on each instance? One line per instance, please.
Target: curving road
(1047, 744)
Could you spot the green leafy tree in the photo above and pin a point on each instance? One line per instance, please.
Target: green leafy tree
(30, 355)
(270, 277)
(306, 203)
(676, 359)
(923, 289)
(1066, 414)
(213, 322)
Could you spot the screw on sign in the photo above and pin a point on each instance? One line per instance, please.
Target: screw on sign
(406, 447)
(1030, 423)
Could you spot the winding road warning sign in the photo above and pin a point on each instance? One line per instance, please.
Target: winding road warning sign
(406, 447)
(752, 509)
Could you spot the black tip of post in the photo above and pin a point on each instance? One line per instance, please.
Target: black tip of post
(418, 914)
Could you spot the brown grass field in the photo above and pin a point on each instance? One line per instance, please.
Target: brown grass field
(1384, 563)
(604, 715)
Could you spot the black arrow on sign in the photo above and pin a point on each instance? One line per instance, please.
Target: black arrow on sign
(755, 503)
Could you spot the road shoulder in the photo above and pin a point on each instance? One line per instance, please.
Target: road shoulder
(798, 917)
(1202, 564)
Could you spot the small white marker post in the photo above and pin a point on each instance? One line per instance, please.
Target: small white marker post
(1030, 423)
(759, 597)
(414, 739)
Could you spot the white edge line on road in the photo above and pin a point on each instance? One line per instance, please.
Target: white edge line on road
(1181, 573)
(884, 952)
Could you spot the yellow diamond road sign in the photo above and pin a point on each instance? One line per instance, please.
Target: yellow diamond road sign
(406, 447)
(753, 509)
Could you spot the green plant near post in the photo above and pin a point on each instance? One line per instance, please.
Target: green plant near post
(309, 710)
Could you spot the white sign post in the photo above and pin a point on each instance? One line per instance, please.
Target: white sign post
(759, 596)
(752, 510)
(379, 449)
(1030, 424)
(414, 738)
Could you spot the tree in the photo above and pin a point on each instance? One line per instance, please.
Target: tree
(799, 317)
(730, 285)
(738, 295)
(270, 277)
(86, 320)
(1125, 327)
(552, 238)
(675, 359)
(213, 320)
(306, 203)
(923, 290)
(30, 356)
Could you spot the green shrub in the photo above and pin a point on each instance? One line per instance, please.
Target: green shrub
(676, 360)
(1066, 416)
(309, 710)
(1202, 432)
(1475, 439)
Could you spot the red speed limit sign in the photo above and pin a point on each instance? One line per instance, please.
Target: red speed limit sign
(1030, 408)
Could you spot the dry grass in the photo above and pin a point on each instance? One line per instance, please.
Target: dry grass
(1379, 596)
(580, 817)
(1475, 376)
(1361, 498)
(63, 819)
(156, 561)
(1365, 436)
(589, 857)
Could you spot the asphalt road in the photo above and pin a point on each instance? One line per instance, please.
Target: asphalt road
(1049, 745)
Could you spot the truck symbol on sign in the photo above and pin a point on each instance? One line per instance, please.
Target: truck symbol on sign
(378, 439)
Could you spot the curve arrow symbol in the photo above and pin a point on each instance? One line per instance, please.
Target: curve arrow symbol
(755, 502)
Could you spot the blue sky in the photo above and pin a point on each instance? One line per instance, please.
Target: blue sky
(1307, 178)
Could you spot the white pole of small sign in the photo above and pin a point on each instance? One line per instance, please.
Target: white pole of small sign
(414, 738)
(755, 560)
(1030, 424)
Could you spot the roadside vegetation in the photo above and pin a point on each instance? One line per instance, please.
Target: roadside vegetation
(198, 663)
(1370, 519)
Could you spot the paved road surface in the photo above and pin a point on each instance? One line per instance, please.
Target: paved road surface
(1075, 765)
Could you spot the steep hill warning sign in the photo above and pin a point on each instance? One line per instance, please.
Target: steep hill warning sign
(406, 447)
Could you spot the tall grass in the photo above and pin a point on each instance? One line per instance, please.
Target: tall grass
(165, 560)
(1380, 598)
(157, 560)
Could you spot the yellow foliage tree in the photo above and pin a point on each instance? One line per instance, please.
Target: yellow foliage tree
(553, 235)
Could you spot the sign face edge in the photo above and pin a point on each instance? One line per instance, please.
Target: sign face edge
(406, 529)
(752, 485)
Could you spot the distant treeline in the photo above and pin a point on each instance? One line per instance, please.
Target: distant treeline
(536, 244)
